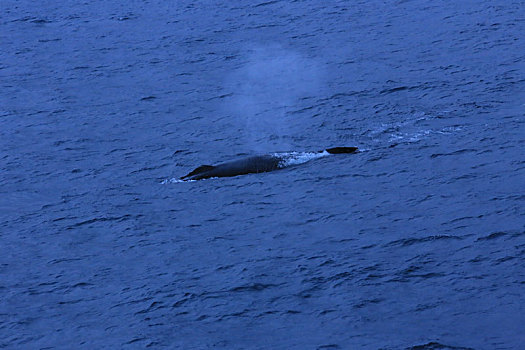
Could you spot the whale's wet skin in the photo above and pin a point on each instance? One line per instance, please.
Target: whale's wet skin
(261, 164)
(255, 164)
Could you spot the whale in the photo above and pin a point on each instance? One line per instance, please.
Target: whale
(261, 163)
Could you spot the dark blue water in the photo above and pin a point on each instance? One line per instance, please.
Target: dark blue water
(417, 242)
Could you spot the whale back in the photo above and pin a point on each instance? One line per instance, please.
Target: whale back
(256, 164)
(259, 164)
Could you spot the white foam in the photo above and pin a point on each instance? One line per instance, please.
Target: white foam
(450, 129)
(294, 158)
(173, 180)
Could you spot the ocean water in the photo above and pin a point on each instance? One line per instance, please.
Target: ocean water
(416, 242)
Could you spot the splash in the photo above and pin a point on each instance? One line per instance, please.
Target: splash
(174, 180)
(294, 158)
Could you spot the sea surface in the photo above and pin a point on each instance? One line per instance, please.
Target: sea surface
(416, 242)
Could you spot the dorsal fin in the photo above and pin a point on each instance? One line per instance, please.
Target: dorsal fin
(340, 150)
(199, 170)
